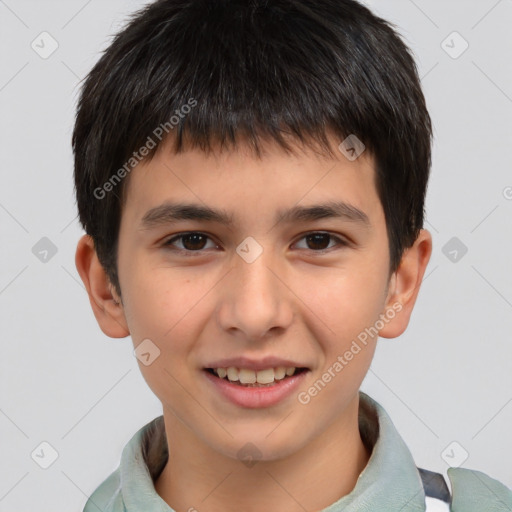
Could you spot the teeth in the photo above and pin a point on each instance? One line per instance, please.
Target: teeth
(246, 376)
(232, 373)
(263, 376)
(279, 372)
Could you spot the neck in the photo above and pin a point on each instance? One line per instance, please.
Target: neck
(314, 477)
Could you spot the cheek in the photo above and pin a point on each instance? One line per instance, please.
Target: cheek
(163, 306)
(344, 302)
(346, 308)
(160, 300)
(168, 307)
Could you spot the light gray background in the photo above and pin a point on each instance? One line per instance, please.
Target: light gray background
(448, 378)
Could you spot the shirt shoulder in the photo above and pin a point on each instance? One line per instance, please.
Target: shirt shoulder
(475, 491)
(130, 488)
(107, 497)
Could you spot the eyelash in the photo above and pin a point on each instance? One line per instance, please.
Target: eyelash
(168, 243)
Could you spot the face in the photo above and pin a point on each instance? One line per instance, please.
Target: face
(265, 291)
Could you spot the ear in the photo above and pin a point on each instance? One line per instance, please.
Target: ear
(404, 286)
(106, 305)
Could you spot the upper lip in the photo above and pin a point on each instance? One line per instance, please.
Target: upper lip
(255, 364)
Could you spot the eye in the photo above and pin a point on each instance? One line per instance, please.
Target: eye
(191, 242)
(319, 241)
(195, 242)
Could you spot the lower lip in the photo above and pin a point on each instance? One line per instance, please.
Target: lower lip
(256, 397)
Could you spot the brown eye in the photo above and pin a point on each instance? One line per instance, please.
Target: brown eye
(190, 242)
(194, 241)
(319, 242)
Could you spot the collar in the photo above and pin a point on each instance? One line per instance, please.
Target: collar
(389, 482)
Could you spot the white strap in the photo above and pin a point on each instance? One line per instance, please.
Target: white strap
(434, 505)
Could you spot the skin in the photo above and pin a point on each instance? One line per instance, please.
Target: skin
(291, 302)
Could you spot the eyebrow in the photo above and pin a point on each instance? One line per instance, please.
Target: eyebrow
(170, 212)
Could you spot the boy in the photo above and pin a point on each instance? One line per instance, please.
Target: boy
(259, 129)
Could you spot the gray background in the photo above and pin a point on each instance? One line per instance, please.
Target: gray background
(446, 380)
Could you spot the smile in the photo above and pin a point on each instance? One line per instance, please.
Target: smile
(255, 388)
(248, 377)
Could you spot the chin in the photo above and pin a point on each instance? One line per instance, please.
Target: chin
(259, 448)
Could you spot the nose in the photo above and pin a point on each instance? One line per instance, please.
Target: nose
(255, 299)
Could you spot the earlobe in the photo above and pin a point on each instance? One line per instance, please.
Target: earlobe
(106, 306)
(405, 285)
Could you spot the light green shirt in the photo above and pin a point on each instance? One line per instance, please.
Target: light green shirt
(390, 481)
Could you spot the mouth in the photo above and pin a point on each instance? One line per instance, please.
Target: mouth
(260, 387)
(248, 378)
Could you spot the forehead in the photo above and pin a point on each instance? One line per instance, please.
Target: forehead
(236, 184)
